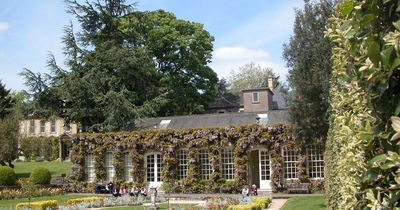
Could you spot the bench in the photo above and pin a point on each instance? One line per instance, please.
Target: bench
(298, 187)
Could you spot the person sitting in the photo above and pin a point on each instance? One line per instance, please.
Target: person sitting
(245, 191)
(143, 192)
(134, 192)
(110, 187)
(122, 191)
(116, 192)
(254, 190)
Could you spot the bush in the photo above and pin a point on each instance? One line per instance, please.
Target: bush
(40, 175)
(7, 176)
(75, 201)
(43, 205)
(257, 203)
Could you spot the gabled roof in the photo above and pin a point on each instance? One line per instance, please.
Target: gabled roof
(214, 120)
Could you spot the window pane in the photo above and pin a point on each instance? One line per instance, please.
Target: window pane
(109, 166)
(205, 168)
(315, 162)
(182, 163)
(290, 163)
(228, 168)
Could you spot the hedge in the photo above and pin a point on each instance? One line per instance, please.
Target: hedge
(75, 201)
(362, 150)
(33, 147)
(257, 203)
(42, 205)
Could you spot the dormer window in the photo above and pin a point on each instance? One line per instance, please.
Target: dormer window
(255, 98)
(164, 124)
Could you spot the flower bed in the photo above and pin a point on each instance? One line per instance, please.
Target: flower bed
(12, 193)
(45, 205)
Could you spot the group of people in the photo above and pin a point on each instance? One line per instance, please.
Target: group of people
(121, 190)
(247, 192)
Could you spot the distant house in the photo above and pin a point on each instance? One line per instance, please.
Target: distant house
(53, 127)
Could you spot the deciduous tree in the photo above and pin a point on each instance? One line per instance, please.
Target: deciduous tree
(250, 76)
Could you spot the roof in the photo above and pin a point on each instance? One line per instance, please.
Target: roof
(258, 89)
(214, 120)
(279, 98)
(226, 100)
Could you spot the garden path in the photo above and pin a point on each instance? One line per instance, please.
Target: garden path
(277, 203)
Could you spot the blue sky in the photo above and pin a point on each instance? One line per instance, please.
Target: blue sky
(245, 31)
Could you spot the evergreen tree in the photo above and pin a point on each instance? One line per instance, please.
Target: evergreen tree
(6, 101)
(124, 65)
(308, 56)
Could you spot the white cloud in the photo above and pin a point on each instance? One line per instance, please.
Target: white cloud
(226, 59)
(265, 28)
(4, 26)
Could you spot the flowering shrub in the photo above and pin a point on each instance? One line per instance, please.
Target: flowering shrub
(43, 205)
(168, 141)
(13, 193)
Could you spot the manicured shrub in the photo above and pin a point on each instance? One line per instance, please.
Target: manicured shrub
(43, 205)
(257, 203)
(75, 201)
(7, 176)
(40, 175)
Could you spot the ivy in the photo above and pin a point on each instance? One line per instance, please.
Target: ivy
(168, 141)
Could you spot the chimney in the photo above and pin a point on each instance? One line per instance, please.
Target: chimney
(271, 83)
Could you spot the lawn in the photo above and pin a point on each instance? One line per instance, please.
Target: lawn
(23, 169)
(60, 198)
(305, 202)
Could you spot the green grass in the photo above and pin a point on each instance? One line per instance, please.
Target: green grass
(60, 198)
(305, 202)
(23, 169)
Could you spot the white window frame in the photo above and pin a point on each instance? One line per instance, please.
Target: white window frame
(109, 165)
(89, 168)
(128, 168)
(253, 94)
(206, 168)
(183, 163)
(156, 165)
(289, 163)
(227, 164)
(315, 162)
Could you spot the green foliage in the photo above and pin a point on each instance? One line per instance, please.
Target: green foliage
(7, 176)
(124, 65)
(250, 76)
(308, 57)
(6, 101)
(9, 134)
(40, 175)
(362, 160)
(33, 147)
(168, 141)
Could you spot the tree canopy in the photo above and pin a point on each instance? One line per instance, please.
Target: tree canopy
(250, 76)
(308, 56)
(125, 64)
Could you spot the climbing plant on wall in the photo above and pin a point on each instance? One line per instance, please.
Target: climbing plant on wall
(362, 158)
(168, 142)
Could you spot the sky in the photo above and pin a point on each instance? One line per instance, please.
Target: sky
(244, 31)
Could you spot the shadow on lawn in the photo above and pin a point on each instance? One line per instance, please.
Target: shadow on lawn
(23, 175)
